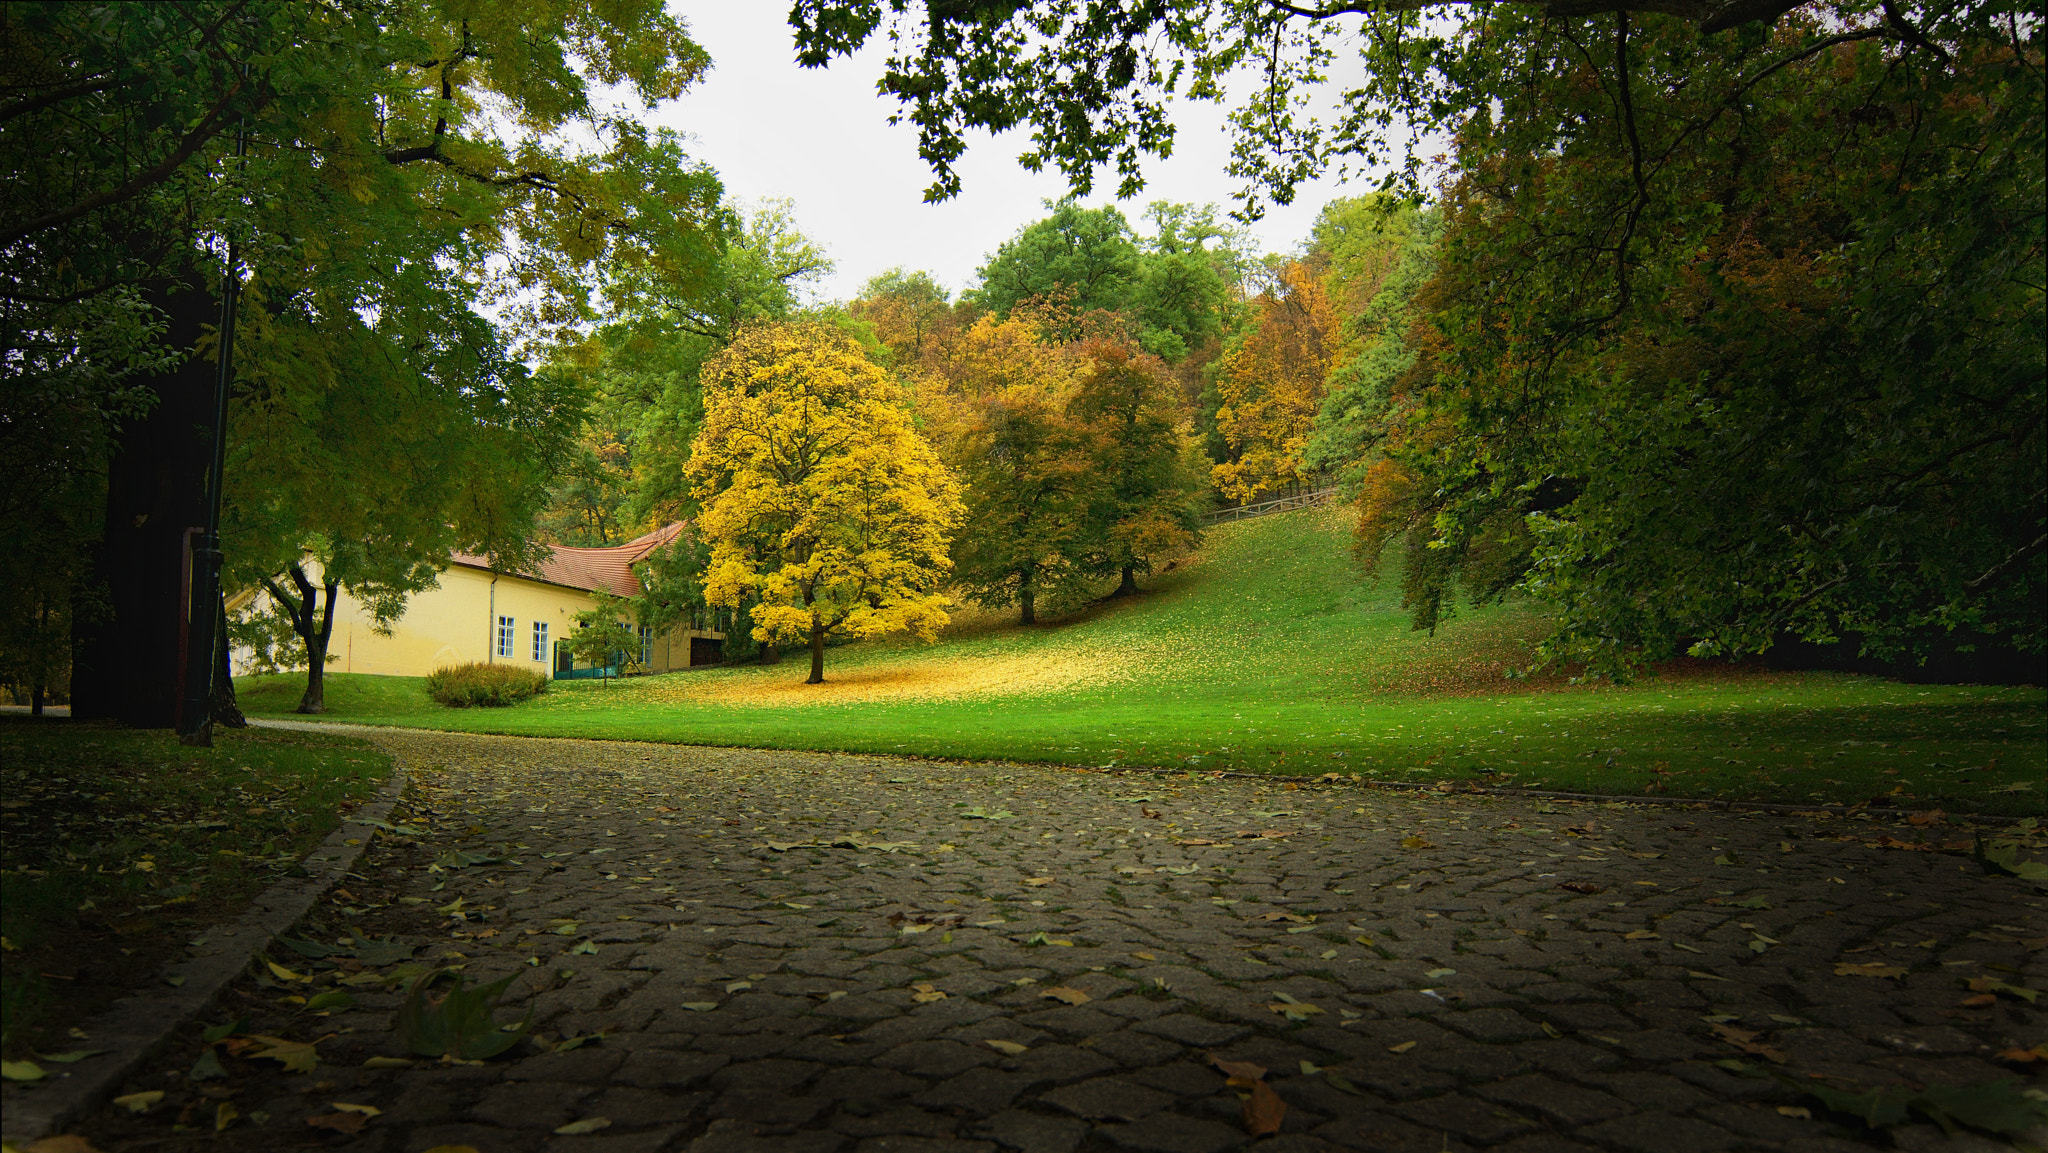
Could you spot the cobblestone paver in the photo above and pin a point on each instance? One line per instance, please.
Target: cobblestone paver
(807, 953)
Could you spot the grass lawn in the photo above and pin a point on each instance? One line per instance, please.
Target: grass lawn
(120, 845)
(1274, 654)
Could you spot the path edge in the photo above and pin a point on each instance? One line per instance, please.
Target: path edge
(138, 1026)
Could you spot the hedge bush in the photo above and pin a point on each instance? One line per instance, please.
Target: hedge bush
(489, 685)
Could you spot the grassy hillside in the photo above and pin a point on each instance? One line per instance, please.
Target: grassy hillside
(1272, 652)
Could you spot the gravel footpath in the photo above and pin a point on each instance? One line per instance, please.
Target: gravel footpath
(812, 953)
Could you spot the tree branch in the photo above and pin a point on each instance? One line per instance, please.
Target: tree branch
(206, 130)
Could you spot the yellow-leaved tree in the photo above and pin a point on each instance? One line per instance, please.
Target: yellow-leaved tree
(821, 502)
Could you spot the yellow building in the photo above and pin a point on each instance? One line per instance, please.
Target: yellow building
(479, 616)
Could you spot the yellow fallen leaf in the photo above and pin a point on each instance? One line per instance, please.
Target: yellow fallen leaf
(1063, 993)
(387, 1063)
(587, 1125)
(1144, 956)
(1642, 935)
(141, 1102)
(1868, 969)
(1403, 1047)
(282, 973)
(1799, 1111)
(1006, 1048)
(1416, 842)
(1038, 880)
(365, 1110)
(924, 993)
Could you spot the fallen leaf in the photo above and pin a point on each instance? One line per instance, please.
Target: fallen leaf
(72, 1056)
(1868, 969)
(700, 1006)
(141, 1102)
(1746, 1040)
(1038, 881)
(349, 1107)
(1434, 974)
(1006, 1048)
(21, 1071)
(1416, 842)
(1144, 956)
(579, 1128)
(387, 1063)
(2024, 1056)
(1243, 1071)
(1063, 993)
(1980, 1000)
(1994, 985)
(1263, 1110)
(1580, 886)
(66, 1143)
(925, 994)
(1642, 935)
(1403, 1047)
(585, 948)
(339, 1122)
(1799, 1111)
(295, 1056)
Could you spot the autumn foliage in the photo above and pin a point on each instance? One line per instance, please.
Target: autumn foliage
(821, 503)
(1271, 383)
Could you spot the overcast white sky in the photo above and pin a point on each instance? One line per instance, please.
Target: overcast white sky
(821, 138)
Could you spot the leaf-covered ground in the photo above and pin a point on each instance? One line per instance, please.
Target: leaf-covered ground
(116, 846)
(1272, 652)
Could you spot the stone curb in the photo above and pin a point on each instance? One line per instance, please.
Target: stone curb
(137, 1027)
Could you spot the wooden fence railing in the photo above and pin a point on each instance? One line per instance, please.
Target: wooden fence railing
(1264, 507)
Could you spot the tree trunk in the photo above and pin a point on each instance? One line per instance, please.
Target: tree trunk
(1129, 585)
(226, 710)
(126, 628)
(771, 653)
(35, 700)
(1028, 598)
(817, 652)
(314, 634)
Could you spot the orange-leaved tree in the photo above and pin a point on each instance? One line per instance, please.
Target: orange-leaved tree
(820, 499)
(1270, 382)
(998, 399)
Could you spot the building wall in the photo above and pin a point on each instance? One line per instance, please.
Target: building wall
(456, 624)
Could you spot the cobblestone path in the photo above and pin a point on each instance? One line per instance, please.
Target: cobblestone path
(808, 953)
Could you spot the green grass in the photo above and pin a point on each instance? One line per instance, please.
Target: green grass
(1274, 654)
(121, 844)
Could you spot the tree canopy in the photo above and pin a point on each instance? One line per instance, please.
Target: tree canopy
(821, 503)
(1734, 329)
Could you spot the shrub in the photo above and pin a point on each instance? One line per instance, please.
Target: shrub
(464, 685)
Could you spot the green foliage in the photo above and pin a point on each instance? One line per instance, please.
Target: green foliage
(1172, 289)
(406, 169)
(1736, 333)
(463, 686)
(460, 1024)
(1087, 255)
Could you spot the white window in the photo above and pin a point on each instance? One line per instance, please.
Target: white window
(506, 627)
(646, 645)
(540, 640)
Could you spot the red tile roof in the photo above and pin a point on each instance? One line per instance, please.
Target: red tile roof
(610, 569)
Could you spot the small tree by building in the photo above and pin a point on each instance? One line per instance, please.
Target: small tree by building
(604, 638)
